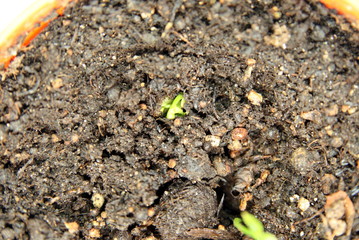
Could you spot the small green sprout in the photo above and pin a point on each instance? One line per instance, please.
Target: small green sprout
(173, 108)
(252, 227)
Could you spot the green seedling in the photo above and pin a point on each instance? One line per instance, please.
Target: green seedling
(250, 226)
(172, 108)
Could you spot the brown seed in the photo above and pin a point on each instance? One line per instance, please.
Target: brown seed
(239, 134)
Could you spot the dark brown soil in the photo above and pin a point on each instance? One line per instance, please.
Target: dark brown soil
(80, 120)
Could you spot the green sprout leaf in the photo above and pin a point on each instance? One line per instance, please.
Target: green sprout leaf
(252, 227)
(173, 108)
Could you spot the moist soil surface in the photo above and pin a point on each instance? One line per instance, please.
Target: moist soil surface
(271, 124)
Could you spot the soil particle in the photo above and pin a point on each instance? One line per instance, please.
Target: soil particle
(195, 166)
(303, 160)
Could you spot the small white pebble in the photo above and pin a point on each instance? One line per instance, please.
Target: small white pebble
(352, 110)
(294, 198)
(97, 200)
(255, 98)
(94, 233)
(73, 227)
(213, 140)
(303, 204)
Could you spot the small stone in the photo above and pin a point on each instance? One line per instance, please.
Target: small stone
(94, 233)
(303, 204)
(353, 146)
(195, 165)
(275, 12)
(336, 142)
(327, 182)
(177, 122)
(202, 104)
(73, 227)
(172, 163)
(102, 113)
(97, 200)
(66, 22)
(239, 134)
(234, 154)
(55, 138)
(255, 98)
(151, 212)
(57, 83)
(294, 198)
(143, 106)
(250, 62)
(329, 130)
(222, 168)
(104, 214)
(219, 131)
(313, 116)
(352, 110)
(150, 238)
(172, 174)
(75, 138)
(235, 145)
(221, 227)
(318, 34)
(280, 36)
(302, 160)
(213, 140)
(332, 110)
(345, 108)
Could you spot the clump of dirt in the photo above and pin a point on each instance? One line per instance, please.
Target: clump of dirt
(80, 117)
(181, 208)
